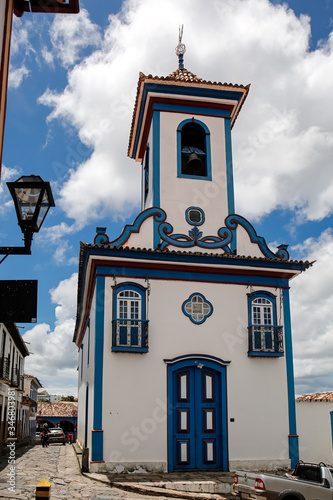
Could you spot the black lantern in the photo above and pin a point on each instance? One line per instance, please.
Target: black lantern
(32, 199)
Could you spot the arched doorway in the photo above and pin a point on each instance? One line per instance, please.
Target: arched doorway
(197, 413)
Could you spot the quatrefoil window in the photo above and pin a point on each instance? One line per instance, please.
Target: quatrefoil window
(197, 308)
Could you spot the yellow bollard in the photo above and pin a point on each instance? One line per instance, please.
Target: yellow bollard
(43, 489)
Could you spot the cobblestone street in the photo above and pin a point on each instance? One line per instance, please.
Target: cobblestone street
(58, 464)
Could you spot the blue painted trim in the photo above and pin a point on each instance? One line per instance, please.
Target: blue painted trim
(88, 353)
(195, 223)
(205, 301)
(208, 176)
(97, 443)
(230, 180)
(156, 198)
(141, 290)
(129, 349)
(293, 450)
(86, 419)
(264, 295)
(293, 443)
(145, 176)
(134, 287)
(263, 354)
(81, 348)
(142, 186)
(129, 285)
(197, 92)
(230, 174)
(193, 110)
(331, 415)
(186, 362)
(195, 357)
(141, 272)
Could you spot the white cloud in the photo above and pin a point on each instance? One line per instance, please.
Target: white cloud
(54, 360)
(282, 138)
(20, 40)
(21, 50)
(16, 76)
(64, 296)
(70, 34)
(7, 174)
(312, 316)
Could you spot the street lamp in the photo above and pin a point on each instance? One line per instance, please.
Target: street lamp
(32, 199)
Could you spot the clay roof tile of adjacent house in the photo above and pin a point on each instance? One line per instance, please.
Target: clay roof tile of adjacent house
(56, 409)
(26, 375)
(316, 397)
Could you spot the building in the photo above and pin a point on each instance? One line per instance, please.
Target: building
(315, 427)
(58, 414)
(183, 321)
(12, 353)
(45, 396)
(31, 385)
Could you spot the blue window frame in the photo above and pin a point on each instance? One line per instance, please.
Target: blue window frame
(193, 150)
(197, 308)
(129, 324)
(265, 335)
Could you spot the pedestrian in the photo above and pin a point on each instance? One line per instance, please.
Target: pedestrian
(45, 438)
(70, 438)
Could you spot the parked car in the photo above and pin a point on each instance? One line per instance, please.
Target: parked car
(307, 481)
(57, 435)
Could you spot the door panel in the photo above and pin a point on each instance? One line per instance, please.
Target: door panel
(197, 419)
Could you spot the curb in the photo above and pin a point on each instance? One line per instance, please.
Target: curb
(152, 490)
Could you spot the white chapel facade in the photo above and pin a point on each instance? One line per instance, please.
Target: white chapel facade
(183, 322)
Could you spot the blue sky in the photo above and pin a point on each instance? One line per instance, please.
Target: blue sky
(71, 93)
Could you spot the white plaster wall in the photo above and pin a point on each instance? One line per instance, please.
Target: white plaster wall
(245, 246)
(87, 377)
(314, 430)
(178, 194)
(143, 239)
(135, 392)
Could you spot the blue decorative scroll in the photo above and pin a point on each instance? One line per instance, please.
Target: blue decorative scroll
(194, 237)
(232, 221)
(157, 213)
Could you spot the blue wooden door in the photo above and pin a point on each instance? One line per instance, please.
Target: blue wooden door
(197, 439)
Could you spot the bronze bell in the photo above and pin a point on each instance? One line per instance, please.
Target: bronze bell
(194, 165)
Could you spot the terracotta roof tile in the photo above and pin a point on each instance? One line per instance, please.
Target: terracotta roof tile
(180, 76)
(184, 76)
(316, 397)
(56, 409)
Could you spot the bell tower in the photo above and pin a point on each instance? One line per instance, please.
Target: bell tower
(181, 135)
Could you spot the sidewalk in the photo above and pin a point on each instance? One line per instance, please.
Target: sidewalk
(204, 485)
